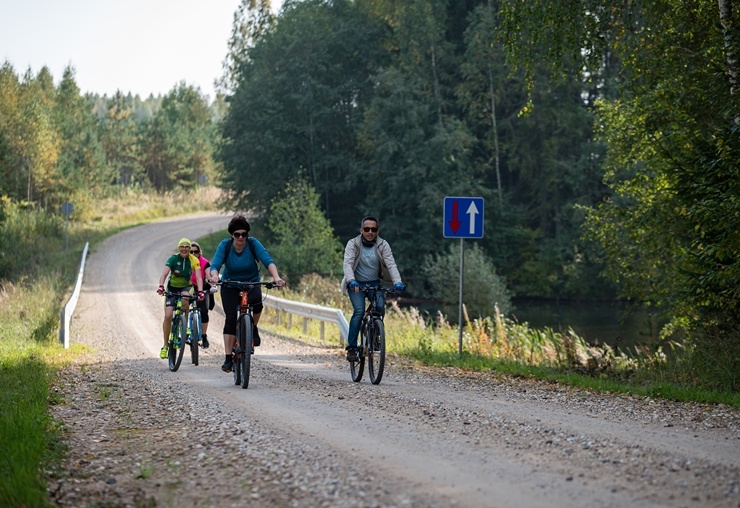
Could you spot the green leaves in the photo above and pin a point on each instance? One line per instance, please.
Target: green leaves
(304, 241)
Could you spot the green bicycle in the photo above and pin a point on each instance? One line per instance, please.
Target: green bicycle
(181, 334)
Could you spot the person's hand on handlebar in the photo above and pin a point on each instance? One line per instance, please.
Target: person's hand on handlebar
(279, 282)
(160, 290)
(353, 286)
(201, 296)
(399, 286)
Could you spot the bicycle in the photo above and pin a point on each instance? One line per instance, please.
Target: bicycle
(371, 340)
(179, 331)
(241, 354)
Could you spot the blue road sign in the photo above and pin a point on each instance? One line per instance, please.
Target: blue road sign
(463, 217)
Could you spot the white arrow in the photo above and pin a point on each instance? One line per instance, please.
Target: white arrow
(472, 212)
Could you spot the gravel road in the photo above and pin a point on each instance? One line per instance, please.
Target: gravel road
(305, 435)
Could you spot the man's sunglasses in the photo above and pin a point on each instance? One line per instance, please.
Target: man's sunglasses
(367, 230)
(240, 235)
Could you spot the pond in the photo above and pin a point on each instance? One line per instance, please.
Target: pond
(596, 322)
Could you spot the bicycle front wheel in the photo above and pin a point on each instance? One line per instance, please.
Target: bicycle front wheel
(195, 327)
(176, 344)
(236, 358)
(357, 368)
(247, 335)
(376, 351)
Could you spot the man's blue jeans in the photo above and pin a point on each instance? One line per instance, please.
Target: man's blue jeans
(358, 306)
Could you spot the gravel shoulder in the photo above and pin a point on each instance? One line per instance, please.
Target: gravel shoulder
(304, 434)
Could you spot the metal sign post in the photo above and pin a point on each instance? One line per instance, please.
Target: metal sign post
(460, 299)
(463, 218)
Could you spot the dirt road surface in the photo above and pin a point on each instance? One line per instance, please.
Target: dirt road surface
(304, 435)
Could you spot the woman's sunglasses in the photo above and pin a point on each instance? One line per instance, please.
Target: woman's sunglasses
(240, 235)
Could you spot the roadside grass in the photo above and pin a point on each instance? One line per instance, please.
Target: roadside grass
(38, 270)
(497, 344)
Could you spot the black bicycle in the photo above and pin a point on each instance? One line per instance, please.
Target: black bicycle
(371, 341)
(244, 344)
(180, 333)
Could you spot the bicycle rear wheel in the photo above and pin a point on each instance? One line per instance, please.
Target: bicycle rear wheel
(176, 344)
(247, 334)
(376, 350)
(195, 326)
(357, 368)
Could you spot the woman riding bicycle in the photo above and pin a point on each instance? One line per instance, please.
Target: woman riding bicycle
(238, 257)
(180, 267)
(367, 259)
(207, 303)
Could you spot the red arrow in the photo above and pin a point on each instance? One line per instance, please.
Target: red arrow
(454, 223)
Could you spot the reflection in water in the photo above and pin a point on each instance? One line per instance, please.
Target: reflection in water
(601, 322)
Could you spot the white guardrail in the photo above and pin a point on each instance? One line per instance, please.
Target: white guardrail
(308, 310)
(69, 307)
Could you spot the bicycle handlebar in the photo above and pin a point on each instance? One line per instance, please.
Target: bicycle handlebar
(367, 289)
(179, 295)
(245, 285)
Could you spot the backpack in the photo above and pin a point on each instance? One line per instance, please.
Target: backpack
(251, 249)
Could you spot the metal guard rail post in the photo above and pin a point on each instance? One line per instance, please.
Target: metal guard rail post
(308, 310)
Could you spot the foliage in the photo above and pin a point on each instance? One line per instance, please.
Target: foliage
(496, 344)
(304, 240)
(483, 289)
(23, 232)
(43, 272)
(177, 144)
(252, 19)
(669, 230)
(298, 104)
(57, 146)
(388, 107)
(28, 435)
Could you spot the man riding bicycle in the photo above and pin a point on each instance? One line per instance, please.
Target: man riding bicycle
(367, 259)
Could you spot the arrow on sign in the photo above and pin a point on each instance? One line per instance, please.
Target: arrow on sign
(472, 212)
(454, 223)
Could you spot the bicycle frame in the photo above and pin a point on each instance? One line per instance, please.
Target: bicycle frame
(178, 331)
(243, 345)
(371, 340)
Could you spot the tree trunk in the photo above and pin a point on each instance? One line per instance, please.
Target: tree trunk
(495, 140)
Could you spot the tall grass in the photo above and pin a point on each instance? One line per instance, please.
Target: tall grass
(500, 344)
(37, 272)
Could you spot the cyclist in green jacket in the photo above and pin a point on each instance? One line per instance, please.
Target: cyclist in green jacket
(179, 267)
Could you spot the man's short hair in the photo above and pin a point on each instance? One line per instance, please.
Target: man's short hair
(370, 217)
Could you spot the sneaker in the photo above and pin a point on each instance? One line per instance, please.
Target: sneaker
(227, 366)
(256, 336)
(163, 353)
(206, 345)
(351, 355)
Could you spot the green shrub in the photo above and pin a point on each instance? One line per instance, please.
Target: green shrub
(483, 289)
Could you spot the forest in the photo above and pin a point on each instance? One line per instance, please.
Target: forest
(603, 137)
